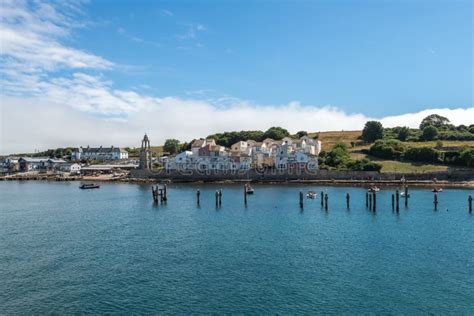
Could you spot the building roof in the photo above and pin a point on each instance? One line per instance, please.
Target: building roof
(34, 159)
(102, 150)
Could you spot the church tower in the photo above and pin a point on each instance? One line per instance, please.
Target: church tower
(145, 154)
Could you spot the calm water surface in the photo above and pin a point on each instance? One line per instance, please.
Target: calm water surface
(65, 250)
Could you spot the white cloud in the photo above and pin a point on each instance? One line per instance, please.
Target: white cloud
(28, 124)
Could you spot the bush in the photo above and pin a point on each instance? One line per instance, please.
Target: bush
(372, 131)
(363, 165)
(430, 132)
(422, 154)
(338, 156)
(466, 157)
(387, 149)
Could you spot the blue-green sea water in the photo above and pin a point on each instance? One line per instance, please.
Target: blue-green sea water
(70, 251)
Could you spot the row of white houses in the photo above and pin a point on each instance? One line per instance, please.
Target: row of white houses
(26, 164)
(99, 153)
(205, 154)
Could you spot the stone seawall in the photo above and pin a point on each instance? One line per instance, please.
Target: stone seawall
(283, 176)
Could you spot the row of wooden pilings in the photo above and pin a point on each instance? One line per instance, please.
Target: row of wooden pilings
(160, 195)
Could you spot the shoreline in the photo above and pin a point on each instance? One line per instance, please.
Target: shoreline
(333, 182)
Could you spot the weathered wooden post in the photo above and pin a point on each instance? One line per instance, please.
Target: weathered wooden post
(406, 195)
(245, 195)
(198, 197)
(154, 192)
(217, 198)
(301, 199)
(370, 201)
(393, 201)
(435, 201)
(220, 198)
(322, 198)
(375, 200)
(366, 199)
(397, 200)
(326, 201)
(165, 196)
(348, 198)
(469, 200)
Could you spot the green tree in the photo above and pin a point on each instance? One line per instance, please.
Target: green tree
(338, 156)
(467, 157)
(403, 133)
(422, 154)
(276, 133)
(429, 132)
(387, 149)
(434, 120)
(372, 131)
(171, 146)
(301, 134)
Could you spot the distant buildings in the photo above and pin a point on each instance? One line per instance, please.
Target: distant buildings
(100, 153)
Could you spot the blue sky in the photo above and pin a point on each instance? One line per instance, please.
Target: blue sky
(108, 71)
(375, 57)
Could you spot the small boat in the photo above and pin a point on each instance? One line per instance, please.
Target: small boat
(374, 189)
(311, 195)
(249, 189)
(89, 186)
(437, 190)
(403, 194)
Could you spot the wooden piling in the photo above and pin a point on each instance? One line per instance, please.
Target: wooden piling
(393, 201)
(245, 195)
(301, 199)
(326, 202)
(435, 201)
(165, 196)
(374, 198)
(220, 198)
(348, 198)
(406, 195)
(322, 198)
(469, 200)
(366, 199)
(397, 200)
(198, 197)
(370, 201)
(217, 198)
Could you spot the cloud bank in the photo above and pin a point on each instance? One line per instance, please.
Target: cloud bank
(28, 124)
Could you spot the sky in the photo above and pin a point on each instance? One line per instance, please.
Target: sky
(105, 72)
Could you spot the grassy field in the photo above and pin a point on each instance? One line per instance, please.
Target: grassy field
(329, 139)
(400, 166)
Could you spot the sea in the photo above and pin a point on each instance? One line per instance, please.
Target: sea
(113, 250)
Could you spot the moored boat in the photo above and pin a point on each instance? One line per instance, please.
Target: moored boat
(311, 195)
(249, 189)
(89, 186)
(437, 190)
(374, 189)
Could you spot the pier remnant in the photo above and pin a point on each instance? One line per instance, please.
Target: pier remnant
(348, 199)
(326, 201)
(469, 200)
(435, 201)
(374, 198)
(406, 195)
(393, 201)
(198, 197)
(301, 199)
(220, 198)
(366, 199)
(217, 198)
(397, 200)
(245, 195)
(370, 201)
(322, 198)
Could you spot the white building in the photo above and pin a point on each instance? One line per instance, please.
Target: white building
(100, 153)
